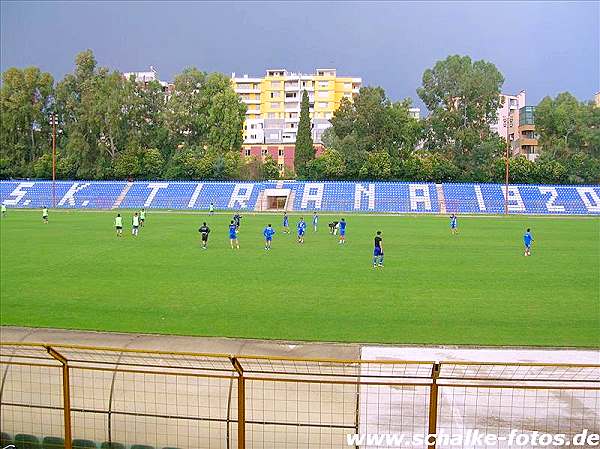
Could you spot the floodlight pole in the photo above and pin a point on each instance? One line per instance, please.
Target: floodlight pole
(53, 160)
(507, 156)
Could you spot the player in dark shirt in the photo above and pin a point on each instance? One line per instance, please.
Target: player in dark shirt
(236, 219)
(378, 251)
(333, 227)
(204, 231)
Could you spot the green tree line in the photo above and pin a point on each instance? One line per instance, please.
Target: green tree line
(110, 127)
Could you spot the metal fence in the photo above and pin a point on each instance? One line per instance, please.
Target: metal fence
(88, 397)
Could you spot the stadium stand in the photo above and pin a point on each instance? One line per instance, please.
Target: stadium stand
(26, 441)
(393, 197)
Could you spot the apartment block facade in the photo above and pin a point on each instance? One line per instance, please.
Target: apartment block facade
(515, 122)
(273, 103)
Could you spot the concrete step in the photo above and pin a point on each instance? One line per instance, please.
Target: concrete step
(122, 195)
(441, 198)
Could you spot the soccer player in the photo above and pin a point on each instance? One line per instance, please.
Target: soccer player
(301, 230)
(142, 217)
(286, 223)
(268, 233)
(453, 224)
(204, 231)
(315, 220)
(333, 226)
(211, 209)
(135, 224)
(342, 231)
(3, 209)
(378, 251)
(236, 218)
(527, 239)
(233, 235)
(119, 225)
(45, 214)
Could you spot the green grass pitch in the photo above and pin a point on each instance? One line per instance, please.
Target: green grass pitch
(475, 288)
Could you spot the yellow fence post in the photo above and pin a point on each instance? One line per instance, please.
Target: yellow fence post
(433, 401)
(241, 403)
(66, 394)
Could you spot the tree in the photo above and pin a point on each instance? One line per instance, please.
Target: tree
(372, 123)
(305, 151)
(182, 114)
(205, 110)
(82, 119)
(139, 163)
(567, 126)
(225, 121)
(270, 170)
(329, 165)
(377, 166)
(463, 97)
(377, 123)
(25, 98)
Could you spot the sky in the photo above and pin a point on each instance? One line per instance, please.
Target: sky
(543, 48)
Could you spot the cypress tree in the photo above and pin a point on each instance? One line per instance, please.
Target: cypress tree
(305, 151)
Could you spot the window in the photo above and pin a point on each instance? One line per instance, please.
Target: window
(275, 105)
(348, 86)
(272, 115)
(253, 136)
(247, 152)
(280, 152)
(290, 95)
(323, 83)
(323, 105)
(275, 84)
(280, 166)
(323, 94)
(264, 152)
(253, 126)
(274, 94)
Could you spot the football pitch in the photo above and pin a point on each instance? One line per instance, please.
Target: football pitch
(474, 288)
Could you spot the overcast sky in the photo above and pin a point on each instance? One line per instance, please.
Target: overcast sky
(541, 47)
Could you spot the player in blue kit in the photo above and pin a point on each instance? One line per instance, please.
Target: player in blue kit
(301, 230)
(286, 223)
(378, 251)
(527, 240)
(453, 224)
(233, 235)
(268, 233)
(342, 231)
(315, 220)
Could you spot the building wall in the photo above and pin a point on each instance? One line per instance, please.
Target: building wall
(508, 114)
(281, 153)
(274, 101)
(526, 137)
(597, 99)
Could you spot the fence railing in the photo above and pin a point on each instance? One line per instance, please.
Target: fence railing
(107, 398)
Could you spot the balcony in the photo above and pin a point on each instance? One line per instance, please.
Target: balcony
(247, 90)
(292, 99)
